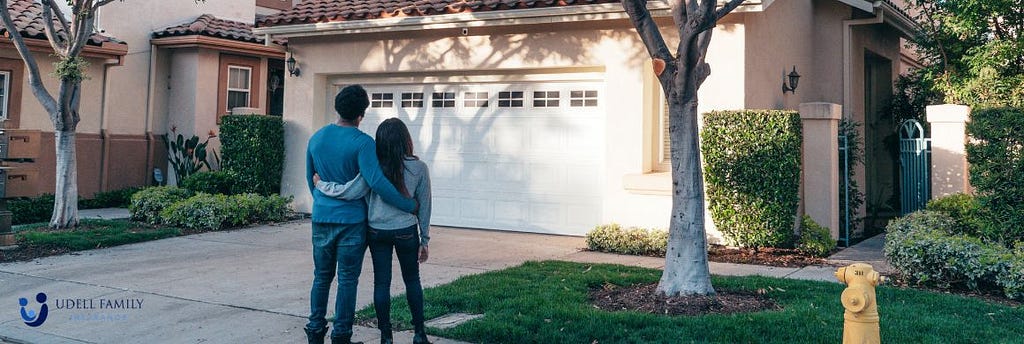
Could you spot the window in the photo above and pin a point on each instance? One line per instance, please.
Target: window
(582, 98)
(510, 99)
(545, 99)
(239, 87)
(412, 100)
(5, 81)
(382, 100)
(443, 99)
(476, 99)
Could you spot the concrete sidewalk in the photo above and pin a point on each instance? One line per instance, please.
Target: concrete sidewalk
(252, 285)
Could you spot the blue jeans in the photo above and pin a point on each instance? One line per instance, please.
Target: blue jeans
(338, 246)
(406, 244)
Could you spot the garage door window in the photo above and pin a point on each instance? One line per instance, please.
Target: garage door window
(412, 100)
(382, 100)
(476, 99)
(443, 99)
(545, 99)
(510, 99)
(583, 98)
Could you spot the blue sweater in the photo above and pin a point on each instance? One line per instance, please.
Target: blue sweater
(340, 153)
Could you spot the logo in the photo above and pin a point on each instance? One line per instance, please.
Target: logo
(29, 315)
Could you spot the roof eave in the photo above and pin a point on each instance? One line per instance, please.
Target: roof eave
(547, 15)
(200, 41)
(898, 20)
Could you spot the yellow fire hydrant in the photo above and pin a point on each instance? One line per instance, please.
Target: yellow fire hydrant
(861, 316)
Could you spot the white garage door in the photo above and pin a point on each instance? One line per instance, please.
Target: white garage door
(522, 157)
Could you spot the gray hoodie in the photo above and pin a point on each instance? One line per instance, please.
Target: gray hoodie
(383, 216)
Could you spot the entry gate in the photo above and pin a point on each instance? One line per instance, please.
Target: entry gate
(915, 167)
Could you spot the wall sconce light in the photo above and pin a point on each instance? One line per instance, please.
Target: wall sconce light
(293, 70)
(793, 77)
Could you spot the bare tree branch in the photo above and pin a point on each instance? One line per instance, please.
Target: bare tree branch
(101, 3)
(728, 7)
(59, 45)
(647, 28)
(34, 79)
(60, 15)
(83, 25)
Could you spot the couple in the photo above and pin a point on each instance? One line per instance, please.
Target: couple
(365, 194)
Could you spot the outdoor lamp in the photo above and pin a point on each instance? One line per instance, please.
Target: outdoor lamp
(793, 77)
(292, 68)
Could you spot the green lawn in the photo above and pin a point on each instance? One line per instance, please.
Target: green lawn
(546, 302)
(92, 234)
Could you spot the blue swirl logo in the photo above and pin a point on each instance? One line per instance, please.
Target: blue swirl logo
(30, 316)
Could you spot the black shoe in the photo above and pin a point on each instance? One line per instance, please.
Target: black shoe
(386, 341)
(315, 337)
(344, 339)
(420, 338)
(386, 337)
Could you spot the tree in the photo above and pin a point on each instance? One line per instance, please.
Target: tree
(972, 50)
(680, 76)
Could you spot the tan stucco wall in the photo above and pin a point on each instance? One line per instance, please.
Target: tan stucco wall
(134, 22)
(33, 116)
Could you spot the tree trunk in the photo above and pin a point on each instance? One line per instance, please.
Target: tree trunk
(686, 259)
(65, 204)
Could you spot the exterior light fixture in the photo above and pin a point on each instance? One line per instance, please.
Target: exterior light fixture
(293, 70)
(793, 77)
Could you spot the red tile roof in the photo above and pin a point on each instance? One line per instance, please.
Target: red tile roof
(323, 11)
(208, 25)
(28, 18)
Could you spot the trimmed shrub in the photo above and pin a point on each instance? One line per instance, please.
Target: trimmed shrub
(31, 210)
(110, 199)
(1012, 279)
(149, 202)
(752, 169)
(253, 147)
(636, 241)
(815, 239)
(211, 182)
(963, 209)
(214, 212)
(921, 247)
(996, 160)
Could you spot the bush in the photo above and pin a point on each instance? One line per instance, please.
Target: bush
(963, 209)
(815, 239)
(253, 147)
(31, 210)
(1012, 278)
(636, 241)
(752, 169)
(110, 199)
(996, 170)
(211, 182)
(149, 202)
(921, 247)
(215, 212)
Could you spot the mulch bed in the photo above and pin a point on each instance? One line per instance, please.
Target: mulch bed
(781, 257)
(643, 298)
(29, 252)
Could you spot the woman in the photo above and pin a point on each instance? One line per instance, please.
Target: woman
(390, 229)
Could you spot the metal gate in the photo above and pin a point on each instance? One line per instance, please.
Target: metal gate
(915, 167)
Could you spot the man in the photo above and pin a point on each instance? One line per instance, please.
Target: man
(339, 151)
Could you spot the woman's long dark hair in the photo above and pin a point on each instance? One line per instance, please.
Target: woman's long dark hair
(394, 145)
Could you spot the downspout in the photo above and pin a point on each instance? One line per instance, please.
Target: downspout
(149, 113)
(848, 57)
(104, 137)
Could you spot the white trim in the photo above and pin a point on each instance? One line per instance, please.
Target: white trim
(6, 95)
(862, 5)
(248, 90)
(545, 15)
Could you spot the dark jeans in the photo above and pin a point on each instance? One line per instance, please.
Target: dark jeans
(406, 244)
(341, 247)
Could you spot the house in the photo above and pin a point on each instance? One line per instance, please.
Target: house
(545, 116)
(175, 65)
(29, 129)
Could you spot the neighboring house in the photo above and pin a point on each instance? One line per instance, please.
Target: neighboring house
(177, 64)
(30, 133)
(544, 116)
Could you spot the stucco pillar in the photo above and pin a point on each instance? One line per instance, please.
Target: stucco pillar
(949, 149)
(821, 163)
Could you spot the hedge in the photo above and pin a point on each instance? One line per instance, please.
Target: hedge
(252, 146)
(752, 170)
(39, 209)
(633, 240)
(148, 203)
(997, 169)
(815, 239)
(212, 182)
(215, 212)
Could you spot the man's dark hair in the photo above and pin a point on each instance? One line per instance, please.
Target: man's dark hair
(351, 102)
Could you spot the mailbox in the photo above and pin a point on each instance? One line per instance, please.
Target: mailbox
(3, 144)
(20, 144)
(3, 182)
